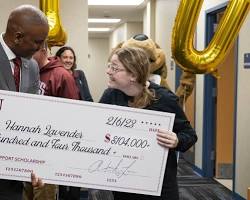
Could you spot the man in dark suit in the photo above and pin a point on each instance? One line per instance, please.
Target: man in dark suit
(27, 29)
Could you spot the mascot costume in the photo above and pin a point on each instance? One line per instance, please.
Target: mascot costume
(158, 67)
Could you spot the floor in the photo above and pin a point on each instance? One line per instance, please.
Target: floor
(194, 187)
(228, 183)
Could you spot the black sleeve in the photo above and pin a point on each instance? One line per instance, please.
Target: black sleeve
(106, 97)
(182, 127)
(83, 86)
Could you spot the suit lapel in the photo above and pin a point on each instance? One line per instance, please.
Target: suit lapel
(6, 76)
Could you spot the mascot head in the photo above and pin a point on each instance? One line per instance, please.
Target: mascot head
(158, 68)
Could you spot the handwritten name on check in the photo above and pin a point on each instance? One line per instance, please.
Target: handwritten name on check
(76, 143)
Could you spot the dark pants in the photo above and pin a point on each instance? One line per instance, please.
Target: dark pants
(11, 190)
(69, 193)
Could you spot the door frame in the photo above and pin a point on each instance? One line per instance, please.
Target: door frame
(209, 114)
(209, 105)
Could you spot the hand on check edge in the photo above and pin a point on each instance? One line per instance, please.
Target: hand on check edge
(36, 181)
(167, 139)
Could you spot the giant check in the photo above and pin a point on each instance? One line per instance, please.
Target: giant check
(70, 142)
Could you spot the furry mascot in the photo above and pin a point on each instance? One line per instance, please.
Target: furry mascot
(158, 67)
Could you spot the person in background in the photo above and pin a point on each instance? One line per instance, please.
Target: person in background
(27, 28)
(55, 80)
(128, 72)
(68, 57)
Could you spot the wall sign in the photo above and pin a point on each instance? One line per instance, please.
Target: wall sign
(247, 60)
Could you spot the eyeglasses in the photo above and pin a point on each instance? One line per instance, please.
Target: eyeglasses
(114, 68)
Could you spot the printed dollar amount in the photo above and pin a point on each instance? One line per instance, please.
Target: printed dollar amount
(128, 142)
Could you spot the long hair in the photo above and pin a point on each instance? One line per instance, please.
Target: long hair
(61, 51)
(136, 62)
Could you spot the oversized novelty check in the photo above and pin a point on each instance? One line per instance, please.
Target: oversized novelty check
(76, 143)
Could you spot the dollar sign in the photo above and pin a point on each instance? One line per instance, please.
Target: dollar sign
(107, 138)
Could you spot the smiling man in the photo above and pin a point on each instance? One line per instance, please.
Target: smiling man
(27, 28)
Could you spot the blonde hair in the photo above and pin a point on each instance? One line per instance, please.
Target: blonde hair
(136, 62)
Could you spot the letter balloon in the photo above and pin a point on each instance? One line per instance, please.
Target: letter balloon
(206, 61)
(57, 36)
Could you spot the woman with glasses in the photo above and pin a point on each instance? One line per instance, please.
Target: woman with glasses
(128, 72)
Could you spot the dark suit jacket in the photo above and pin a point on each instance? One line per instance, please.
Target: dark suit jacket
(29, 75)
(12, 190)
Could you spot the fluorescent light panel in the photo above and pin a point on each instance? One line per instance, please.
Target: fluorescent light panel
(115, 2)
(103, 20)
(98, 29)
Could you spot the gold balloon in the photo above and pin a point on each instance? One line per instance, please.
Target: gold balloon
(57, 36)
(206, 61)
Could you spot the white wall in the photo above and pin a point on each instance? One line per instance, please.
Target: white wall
(8, 6)
(165, 12)
(133, 28)
(74, 17)
(124, 32)
(243, 118)
(149, 20)
(96, 68)
(117, 36)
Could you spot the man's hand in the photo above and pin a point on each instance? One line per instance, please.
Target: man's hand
(36, 182)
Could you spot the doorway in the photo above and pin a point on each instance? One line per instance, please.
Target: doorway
(219, 111)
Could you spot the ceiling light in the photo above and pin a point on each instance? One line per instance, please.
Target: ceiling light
(103, 20)
(98, 29)
(115, 2)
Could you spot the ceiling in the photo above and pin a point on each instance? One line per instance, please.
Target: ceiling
(125, 13)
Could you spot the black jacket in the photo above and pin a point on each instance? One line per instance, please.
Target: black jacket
(82, 85)
(165, 101)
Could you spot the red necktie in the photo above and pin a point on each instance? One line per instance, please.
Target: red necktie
(17, 63)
